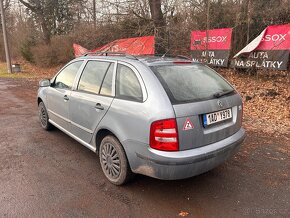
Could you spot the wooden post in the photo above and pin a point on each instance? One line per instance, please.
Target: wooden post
(207, 28)
(6, 46)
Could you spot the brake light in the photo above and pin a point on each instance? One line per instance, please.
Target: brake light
(164, 135)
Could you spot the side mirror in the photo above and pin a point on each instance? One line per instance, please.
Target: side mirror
(44, 83)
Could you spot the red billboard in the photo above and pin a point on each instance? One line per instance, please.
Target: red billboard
(211, 47)
(134, 46)
(270, 50)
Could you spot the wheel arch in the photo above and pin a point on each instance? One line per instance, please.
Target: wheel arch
(102, 133)
(39, 100)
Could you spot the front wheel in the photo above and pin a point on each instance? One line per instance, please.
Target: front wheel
(113, 161)
(43, 117)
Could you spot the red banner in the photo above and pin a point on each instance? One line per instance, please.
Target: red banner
(218, 39)
(79, 50)
(269, 50)
(211, 47)
(134, 46)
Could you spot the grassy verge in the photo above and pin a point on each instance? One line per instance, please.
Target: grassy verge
(28, 71)
(4, 73)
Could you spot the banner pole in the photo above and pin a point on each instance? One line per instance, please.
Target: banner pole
(207, 28)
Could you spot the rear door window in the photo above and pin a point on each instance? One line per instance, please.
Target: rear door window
(190, 82)
(92, 76)
(127, 84)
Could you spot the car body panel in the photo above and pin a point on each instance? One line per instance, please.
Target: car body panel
(58, 107)
(83, 114)
(200, 135)
(181, 164)
(130, 122)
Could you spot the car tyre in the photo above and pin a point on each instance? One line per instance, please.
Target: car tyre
(113, 161)
(43, 117)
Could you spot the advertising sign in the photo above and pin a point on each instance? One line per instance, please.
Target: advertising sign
(134, 46)
(270, 50)
(211, 47)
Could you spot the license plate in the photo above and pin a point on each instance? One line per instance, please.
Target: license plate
(216, 117)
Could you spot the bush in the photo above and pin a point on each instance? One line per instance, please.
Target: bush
(26, 52)
(58, 52)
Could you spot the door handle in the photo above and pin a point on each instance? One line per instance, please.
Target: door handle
(99, 106)
(65, 98)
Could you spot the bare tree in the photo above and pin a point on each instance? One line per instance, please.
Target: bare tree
(159, 26)
(37, 7)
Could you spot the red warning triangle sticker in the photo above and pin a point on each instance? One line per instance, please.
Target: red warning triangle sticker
(188, 124)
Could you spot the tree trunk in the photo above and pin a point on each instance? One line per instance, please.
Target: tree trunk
(40, 19)
(94, 14)
(46, 32)
(159, 26)
(248, 20)
(207, 28)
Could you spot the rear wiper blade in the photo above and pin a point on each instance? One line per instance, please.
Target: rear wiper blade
(220, 94)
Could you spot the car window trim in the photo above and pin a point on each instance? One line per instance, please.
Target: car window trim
(78, 82)
(101, 86)
(79, 75)
(69, 63)
(92, 93)
(140, 80)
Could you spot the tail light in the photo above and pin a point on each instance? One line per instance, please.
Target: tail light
(164, 135)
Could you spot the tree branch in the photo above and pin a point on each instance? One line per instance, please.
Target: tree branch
(29, 6)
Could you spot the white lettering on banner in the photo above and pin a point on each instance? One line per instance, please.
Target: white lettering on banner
(212, 61)
(259, 54)
(218, 62)
(215, 39)
(239, 63)
(264, 63)
(274, 38)
(210, 54)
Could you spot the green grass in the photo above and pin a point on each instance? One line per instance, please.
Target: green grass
(4, 73)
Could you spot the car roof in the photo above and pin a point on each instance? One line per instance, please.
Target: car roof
(148, 60)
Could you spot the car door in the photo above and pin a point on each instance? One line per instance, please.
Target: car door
(59, 93)
(128, 114)
(91, 98)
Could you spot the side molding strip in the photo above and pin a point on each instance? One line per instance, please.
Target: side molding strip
(73, 123)
(73, 136)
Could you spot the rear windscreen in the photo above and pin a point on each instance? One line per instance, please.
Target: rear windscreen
(190, 82)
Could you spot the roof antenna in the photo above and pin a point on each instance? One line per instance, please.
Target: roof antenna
(163, 56)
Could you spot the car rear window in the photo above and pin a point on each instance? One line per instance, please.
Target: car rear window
(190, 82)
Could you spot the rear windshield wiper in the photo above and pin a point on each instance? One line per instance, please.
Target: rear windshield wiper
(220, 94)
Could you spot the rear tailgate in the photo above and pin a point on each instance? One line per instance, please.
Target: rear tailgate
(207, 107)
(192, 130)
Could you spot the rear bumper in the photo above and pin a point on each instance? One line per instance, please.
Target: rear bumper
(182, 164)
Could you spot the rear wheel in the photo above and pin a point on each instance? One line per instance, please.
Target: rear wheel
(113, 161)
(43, 117)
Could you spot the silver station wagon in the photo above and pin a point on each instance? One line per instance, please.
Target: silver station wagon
(163, 117)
